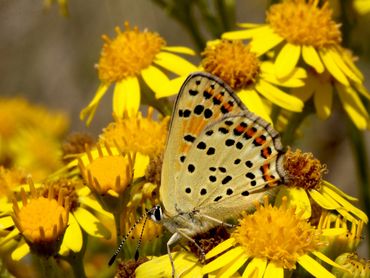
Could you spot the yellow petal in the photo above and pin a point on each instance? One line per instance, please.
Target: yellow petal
(126, 97)
(174, 63)
(314, 267)
(245, 34)
(91, 224)
(141, 163)
(256, 268)
(362, 90)
(332, 67)
(157, 81)
(223, 260)
(261, 45)
(323, 99)
(232, 268)
(273, 271)
(296, 197)
(12, 235)
(353, 105)
(322, 201)
(312, 58)
(287, 60)
(279, 97)
(21, 251)
(6, 222)
(254, 103)
(324, 258)
(179, 49)
(338, 191)
(347, 205)
(305, 93)
(89, 111)
(250, 25)
(288, 82)
(175, 85)
(220, 248)
(343, 66)
(72, 237)
(95, 205)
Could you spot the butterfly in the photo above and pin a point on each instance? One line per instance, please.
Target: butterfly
(219, 159)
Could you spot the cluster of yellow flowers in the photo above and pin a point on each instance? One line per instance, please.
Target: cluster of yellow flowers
(53, 199)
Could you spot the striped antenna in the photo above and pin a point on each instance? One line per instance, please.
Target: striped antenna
(140, 238)
(111, 261)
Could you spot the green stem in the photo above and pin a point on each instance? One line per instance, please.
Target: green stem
(226, 11)
(358, 143)
(288, 136)
(47, 266)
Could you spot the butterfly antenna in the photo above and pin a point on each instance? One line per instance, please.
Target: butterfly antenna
(111, 261)
(140, 238)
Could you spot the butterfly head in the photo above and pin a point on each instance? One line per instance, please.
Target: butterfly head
(156, 214)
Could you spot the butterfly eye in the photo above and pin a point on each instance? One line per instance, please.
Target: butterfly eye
(156, 214)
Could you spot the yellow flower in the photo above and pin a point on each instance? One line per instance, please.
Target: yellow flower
(346, 236)
(240, 68)
(42, 221)
(28, 155)
(186, 265)
(356, 267)
(305, 181)
(362, 6)
(23, 127)
(321, 86)
(301, 28)
(80, 205)
(137, 134)
(270, 241)
(130, 55)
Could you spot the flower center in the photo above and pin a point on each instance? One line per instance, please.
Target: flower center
(303, 169)
(137, 134)
(109, 172)
(128, 53)
(303, 22)
(232, 61)
(286, 239)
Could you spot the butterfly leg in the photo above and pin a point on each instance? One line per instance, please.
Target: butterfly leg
(218, 221)
(193, 241)
(173, 239)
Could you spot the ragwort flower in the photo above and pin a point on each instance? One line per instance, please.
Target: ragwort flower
(237, 65)
(271, 240)
(305, 183)
(130, 55)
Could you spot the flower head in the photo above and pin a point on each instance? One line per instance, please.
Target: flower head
(317, 39)
(42, 221)
(353, 265)
(275, 239)
(306, 183)
(239, 67)
(137, 134)
(128, 56)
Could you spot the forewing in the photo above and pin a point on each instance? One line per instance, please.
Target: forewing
(203, 99)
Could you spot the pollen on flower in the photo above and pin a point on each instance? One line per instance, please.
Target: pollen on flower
(137, 134)
(128, 53)
(303, 169)
(107, 173)
(305, 23)
(154, 169)
(42, 220)
(76, 144)
(67, 187)
(232, 61)
(287, 238)
(127, 268)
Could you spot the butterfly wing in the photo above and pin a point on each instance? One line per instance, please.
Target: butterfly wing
(203, 99)
(229, 166)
